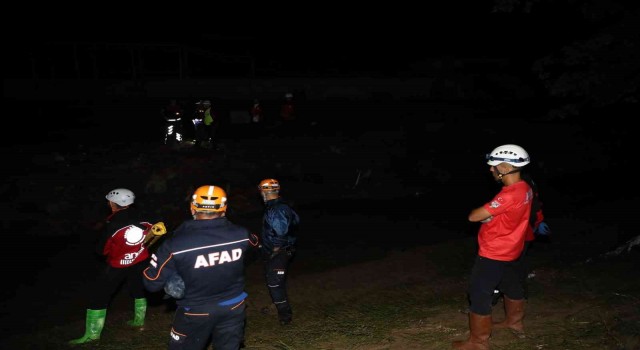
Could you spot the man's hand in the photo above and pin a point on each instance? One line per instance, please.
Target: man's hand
(487, 219)
(175, 287)
(543, 229)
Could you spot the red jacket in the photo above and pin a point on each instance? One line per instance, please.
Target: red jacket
(122, 239)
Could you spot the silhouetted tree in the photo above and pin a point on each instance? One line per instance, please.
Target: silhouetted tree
(600, 70)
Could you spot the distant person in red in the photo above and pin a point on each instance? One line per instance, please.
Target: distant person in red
(173, 108)
(501, 240)
(287, 111)
(287, 123)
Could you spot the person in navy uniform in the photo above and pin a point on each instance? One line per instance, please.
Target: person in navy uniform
(278, 239)
(205, 257)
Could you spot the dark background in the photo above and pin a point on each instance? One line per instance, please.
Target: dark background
(425, 157)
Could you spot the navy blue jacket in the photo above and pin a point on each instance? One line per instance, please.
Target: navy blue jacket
(208, 255)
(279, 224)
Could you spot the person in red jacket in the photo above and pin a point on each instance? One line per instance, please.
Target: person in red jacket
(287, 110)
(501, 240)
(122, 245)
(537, 228)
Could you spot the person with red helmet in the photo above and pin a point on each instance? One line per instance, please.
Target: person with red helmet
(122, 244)
(202, 266)
(501, 240)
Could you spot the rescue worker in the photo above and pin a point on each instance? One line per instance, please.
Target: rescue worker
(537, 228)
(287, 110)
(257, 119)
(501, 241)
(199, 132)
(126, 256)
(210, 125)
(202, 266)
(256, 112)
(279, 225)
(204, 124)
(172, 115)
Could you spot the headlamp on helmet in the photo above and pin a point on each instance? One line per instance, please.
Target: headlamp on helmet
(269, 185)
(121, 196)
(511, 154)
(209, 199)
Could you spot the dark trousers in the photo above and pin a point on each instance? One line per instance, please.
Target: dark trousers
(194, 326)
(522, 266)
(276, 277)
(173, 133)
(486, 276)
(112, 278)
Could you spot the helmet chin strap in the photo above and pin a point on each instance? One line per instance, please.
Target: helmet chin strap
(267, 195)
(501, 175)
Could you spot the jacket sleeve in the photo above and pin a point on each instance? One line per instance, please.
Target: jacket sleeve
(281, 219)
(161, 268)
(254, 241)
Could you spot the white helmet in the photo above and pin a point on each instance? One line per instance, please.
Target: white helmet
(121, 197)
(512, 154)
(288, 95)
(206, 103)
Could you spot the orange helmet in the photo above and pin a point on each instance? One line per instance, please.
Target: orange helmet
(209, 199)
(269, 185)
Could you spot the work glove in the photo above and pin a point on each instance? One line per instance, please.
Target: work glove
(175, 287)
(158, 229)
(543, 229)
(274, 252)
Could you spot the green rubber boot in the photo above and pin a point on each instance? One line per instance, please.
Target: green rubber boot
(93, 326)
(140, 311)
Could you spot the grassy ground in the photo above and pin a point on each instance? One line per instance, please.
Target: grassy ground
(411, 299)
(367, 295)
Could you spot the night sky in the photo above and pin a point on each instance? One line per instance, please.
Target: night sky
(389, 41)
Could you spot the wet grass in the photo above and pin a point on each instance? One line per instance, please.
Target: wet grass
(591, 305)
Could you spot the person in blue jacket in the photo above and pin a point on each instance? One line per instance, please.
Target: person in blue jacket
(278, 238)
